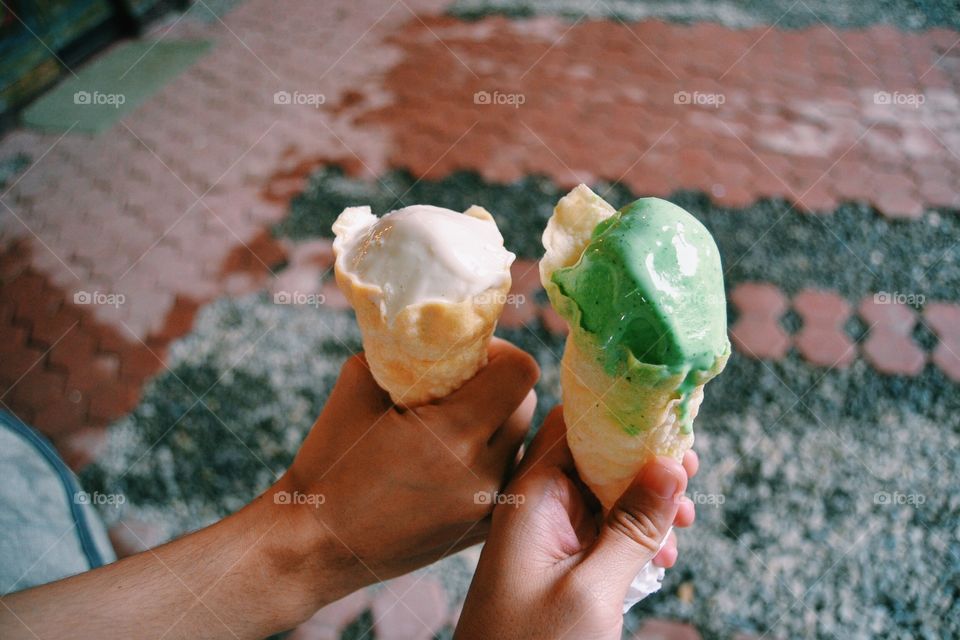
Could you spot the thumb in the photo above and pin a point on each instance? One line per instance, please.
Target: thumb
(636, 526)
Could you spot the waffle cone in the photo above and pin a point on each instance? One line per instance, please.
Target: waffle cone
(614, 425)
(428, 349)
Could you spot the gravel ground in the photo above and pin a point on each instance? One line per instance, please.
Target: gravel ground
(829, 504)
(786, 14)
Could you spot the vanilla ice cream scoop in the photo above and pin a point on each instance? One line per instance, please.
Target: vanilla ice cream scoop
(423, 253)
(428, 285)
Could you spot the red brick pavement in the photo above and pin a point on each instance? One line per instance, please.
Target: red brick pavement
(738, 114)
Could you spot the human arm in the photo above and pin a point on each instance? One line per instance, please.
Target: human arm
(373, 493)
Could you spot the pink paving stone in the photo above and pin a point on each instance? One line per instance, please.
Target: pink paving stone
(410, 608)
(944, 319)
(825, 347)
(314, 252)
(520, 310)
(819, 307)
(893, 354)
(330, 621)
(80, 448)
(734, 196)
(896, 204)
(239, 284)
(894, 316)
(553, 321)
(816, 200)
(333, 297)
(759, 299)
(948, 360)
(666, 630)
(302, 278)
(525, 275)
(760, 338)
(133, 536)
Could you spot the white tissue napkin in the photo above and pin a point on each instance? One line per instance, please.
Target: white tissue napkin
(647, 582)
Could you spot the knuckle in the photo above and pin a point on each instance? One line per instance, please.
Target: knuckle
(637, 527)
(466, 451)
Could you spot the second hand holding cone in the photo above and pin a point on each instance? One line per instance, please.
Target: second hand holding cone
(428, 285)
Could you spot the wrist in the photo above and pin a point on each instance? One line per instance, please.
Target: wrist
(303, 551)
(298, 555)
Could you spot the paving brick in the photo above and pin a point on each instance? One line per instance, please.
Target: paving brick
(83, 444)
(12, 337)
(828, 78)
(759, 299)
(553, 321)
(16, 363)
(131, 536)
(74, 351)
(817, 199)
(519, 311)
(38, 388)
(410, 608)
(330, 621)
(892, 353)
(526, 276)
(59, 415)
(760, 338)
(655, 629)
(944, 319)
(110, 402)
(27, 287)
(333, 298)
(822, 340)
(898, 204)
(315, 252)
(821, 306)
(825, 347)
(876, 310)
(948, 359)
(179, 320)
(141, 362)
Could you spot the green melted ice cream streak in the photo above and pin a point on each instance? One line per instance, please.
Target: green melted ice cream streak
(649, 287)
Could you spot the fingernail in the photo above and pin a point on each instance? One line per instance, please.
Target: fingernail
(660, 480)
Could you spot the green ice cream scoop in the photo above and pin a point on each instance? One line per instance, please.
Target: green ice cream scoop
(649, 287)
